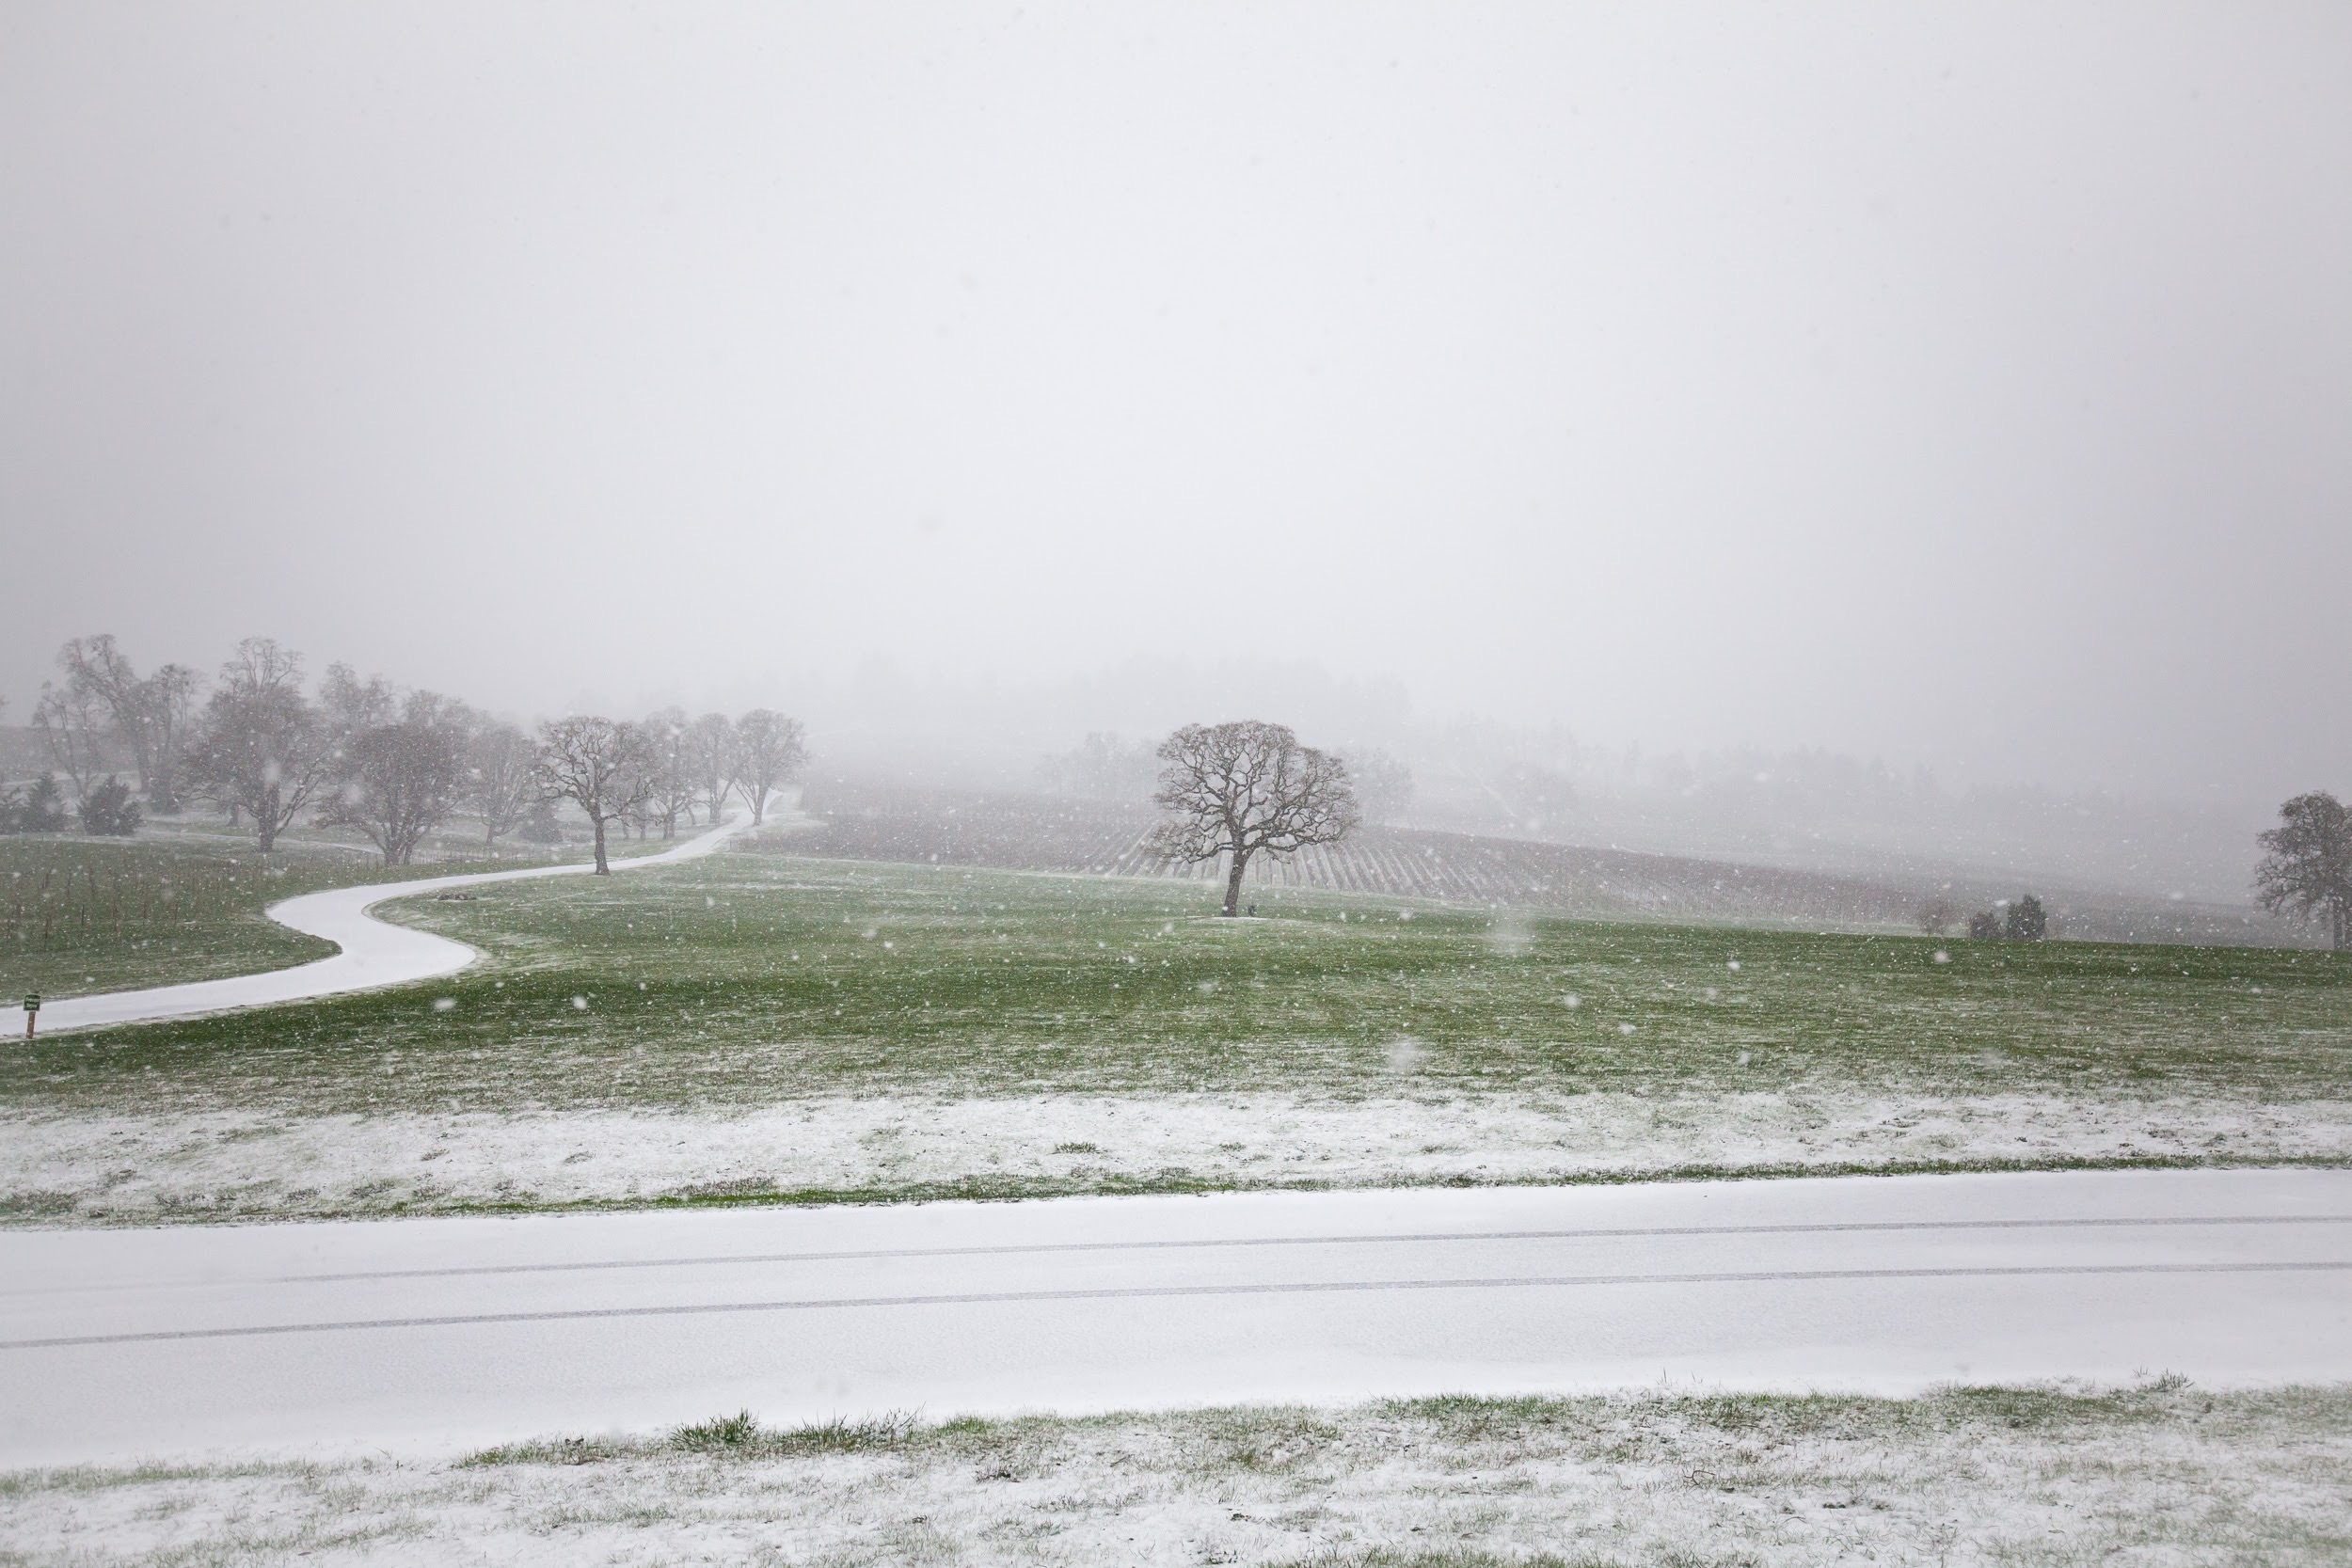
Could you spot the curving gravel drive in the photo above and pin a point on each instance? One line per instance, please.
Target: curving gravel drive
(374, 954)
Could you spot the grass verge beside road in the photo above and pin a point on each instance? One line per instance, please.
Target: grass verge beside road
(2162, 1472)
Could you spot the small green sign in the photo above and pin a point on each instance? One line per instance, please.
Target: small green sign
(32, 1001)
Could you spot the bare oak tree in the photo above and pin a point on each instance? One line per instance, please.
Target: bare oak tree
(771, 748)
(264, 750)
(95, 667)
(603, 767)
(1248, 789)
(2309, 867)
(676, 788)
(72, 719)
(147, 715)
(399, 777)
(498, 784)
(1937, 916)
(167, 708)
(717, 756)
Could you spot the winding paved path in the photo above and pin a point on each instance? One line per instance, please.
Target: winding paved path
(374, 952)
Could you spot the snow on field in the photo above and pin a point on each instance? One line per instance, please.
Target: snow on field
(2163, 1474)
(127, 1168)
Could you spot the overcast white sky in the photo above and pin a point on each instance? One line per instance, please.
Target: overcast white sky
(1967, 385)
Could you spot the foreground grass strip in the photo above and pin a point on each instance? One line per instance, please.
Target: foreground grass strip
(86, 1169)
(2161, 1472)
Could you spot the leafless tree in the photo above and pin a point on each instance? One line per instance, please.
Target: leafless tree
(773, 748)
(676, 788)
(500, 787)
(166, 713)
(603, 767)
(95, 667)
(72, 719)
(2308, 869)
(149, 714)
(1248, 789)
(348, 705)
(1937, 916)
(400, 778)
(716, 755)
(264, 750)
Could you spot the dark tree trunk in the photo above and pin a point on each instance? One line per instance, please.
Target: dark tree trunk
(265, 820)
(602, 869)
(1233, 884)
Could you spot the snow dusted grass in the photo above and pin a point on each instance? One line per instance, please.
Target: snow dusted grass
(760, 1025)
(128, 1169)
(2157, 1474)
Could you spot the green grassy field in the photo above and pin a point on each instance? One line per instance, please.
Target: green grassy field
(751, 977)
(80, 915)
(95, 915)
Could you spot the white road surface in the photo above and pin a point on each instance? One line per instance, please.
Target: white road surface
(428, 1336)
(374, 953)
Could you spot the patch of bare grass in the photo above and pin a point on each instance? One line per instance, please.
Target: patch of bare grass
(2042, 1477)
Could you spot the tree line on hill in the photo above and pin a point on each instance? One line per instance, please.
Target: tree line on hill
(396, 764)
(2305, 873)
(393, 764)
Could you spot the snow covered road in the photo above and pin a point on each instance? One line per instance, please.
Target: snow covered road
(432, 1335)
(374, 954)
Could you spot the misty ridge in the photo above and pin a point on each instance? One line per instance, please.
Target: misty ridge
(1481, 812)
(1476, 811)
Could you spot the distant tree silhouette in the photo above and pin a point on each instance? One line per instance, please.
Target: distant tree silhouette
(770, 749)
(150, 714)
(400, 777)
(71, 718)
(40, 811)
(2308, 871)
(676, 788)
(2026, 920)
(498, 786)
(1936, 916)
(1985, 926)
(265, 749)
(715, 754)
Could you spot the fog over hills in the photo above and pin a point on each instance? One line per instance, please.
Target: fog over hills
(1852, 438)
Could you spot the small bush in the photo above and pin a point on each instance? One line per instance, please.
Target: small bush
(108, 811)
(41, 810)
